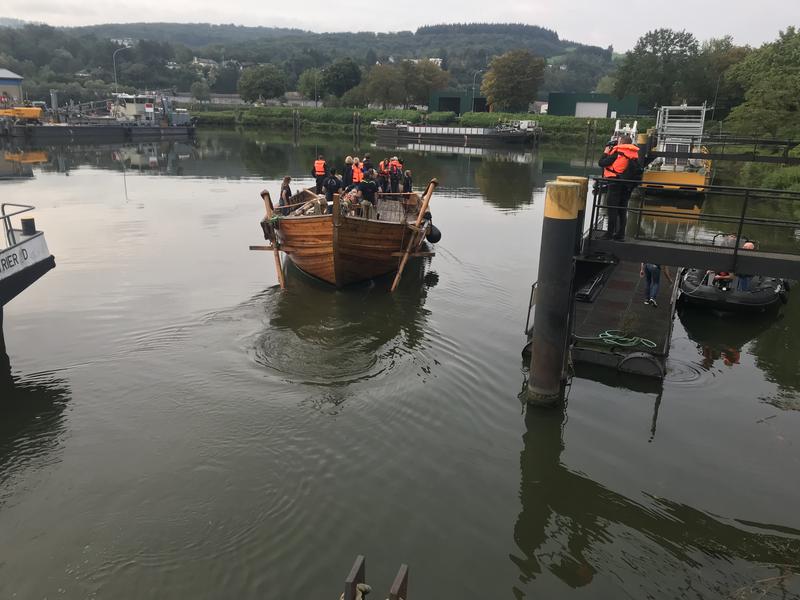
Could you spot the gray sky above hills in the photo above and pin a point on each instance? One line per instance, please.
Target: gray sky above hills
(589, 21)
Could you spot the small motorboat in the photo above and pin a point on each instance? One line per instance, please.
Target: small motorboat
(727, 293)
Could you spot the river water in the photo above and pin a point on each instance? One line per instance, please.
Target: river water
(179, 427)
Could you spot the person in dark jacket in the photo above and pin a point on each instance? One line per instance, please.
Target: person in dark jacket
(367, 190)
(366, 164)
(347, 172)
(407, 181)
(619, 162)
(332, 185)
(286, 196)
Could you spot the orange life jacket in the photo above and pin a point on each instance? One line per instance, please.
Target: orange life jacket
(383, 167)
(395, 169)
(319, 167)
(625, 154)
(358, 174)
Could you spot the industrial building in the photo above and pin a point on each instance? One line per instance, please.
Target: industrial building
(597, 106)
(10, 86)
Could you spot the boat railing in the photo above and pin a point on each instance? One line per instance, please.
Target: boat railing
(8, 210)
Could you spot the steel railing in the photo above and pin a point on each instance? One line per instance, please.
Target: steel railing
(754, 215)
(11, 238)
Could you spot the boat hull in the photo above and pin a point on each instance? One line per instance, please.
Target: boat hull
(354, 250)
(766, 293)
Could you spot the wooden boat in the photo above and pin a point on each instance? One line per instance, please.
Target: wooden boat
(342, 246)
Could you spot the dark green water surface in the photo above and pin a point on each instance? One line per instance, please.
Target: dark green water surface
(181, 428)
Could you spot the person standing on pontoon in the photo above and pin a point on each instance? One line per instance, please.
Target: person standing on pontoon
(620, 163)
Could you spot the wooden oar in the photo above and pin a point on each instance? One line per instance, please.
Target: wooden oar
(416, 233)
(275, 251)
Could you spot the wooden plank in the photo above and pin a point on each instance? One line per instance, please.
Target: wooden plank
(357, 575)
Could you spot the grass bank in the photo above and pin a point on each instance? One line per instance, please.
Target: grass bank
(340, 120)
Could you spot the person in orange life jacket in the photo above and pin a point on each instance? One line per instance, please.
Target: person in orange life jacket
(319, 171)
(620, 163)
(395, 174)
(358, 171)
(383, 175)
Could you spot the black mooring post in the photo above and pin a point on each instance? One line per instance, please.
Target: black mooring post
(554, 292)
(584, 183)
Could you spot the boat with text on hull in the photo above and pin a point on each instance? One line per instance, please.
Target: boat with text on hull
(24, 256)
(348, 244)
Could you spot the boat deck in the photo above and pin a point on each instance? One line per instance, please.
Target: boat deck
(620, 306)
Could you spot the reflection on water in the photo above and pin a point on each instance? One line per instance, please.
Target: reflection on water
(506, 178)
(31, 424)
(575, 528)
(335, 338)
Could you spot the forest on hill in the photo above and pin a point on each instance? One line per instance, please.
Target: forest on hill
(79, 60)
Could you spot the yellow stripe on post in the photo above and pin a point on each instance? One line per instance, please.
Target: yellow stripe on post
(562, 200)
(581, 181)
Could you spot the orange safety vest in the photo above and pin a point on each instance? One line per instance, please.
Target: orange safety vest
(383, 167)
(625, 154)
(395, 167)
(319, 167)
(358, 174)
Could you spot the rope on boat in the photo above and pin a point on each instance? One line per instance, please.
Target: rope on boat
(615, 337)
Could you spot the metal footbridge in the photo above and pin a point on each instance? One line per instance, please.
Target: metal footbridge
(705, 231)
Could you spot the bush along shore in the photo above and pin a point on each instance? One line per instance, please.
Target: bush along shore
(340, 120)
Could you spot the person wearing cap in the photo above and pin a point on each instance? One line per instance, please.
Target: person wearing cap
(366, 164)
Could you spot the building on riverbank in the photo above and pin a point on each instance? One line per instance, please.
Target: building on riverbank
(10, 86)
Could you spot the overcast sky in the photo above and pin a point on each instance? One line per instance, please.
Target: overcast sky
(590, 21)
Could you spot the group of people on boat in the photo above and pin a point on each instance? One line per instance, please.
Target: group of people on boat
(390, 174)
(358, 184)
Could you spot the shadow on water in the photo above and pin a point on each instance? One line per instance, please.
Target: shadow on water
(570, 526)
(334, 339)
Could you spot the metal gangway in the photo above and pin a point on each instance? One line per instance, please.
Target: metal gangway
(708, 233)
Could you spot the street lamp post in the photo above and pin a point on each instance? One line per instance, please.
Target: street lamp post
(472, 108)
(114, 61)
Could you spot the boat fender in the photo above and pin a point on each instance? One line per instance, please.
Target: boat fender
(433, 235)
